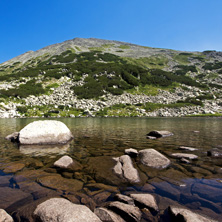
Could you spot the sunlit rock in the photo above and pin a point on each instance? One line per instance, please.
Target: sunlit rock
(153, 158)
(62, 210)
(45, 132)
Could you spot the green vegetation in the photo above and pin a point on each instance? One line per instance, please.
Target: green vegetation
(24, 90)
(182, 58)
(212, 66)
(49, 111)
(152, 62)
(124, 47)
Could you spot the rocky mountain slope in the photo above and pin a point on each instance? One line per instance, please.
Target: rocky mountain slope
(94, 77)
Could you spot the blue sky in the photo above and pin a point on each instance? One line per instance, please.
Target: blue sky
(191, 25)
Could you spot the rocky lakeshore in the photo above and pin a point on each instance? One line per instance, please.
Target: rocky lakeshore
(157, 180)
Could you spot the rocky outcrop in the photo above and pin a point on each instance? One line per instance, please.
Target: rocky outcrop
(62, 210)
(4, 217)
(124, 168)
(45, 132)
(154, 159)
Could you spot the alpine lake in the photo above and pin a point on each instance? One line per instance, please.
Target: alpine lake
(27, 174)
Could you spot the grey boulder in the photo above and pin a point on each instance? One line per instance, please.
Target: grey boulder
(154, 159)
(108, 215)
(62, 210)
(128, 212)
(64, 162)
(146, 200)
(5, 217)
(181, 214)
(45, 132)
(124, 168)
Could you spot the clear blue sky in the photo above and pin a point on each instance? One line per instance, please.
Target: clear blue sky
(192, 25)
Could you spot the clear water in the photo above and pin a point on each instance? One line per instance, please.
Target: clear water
(109, 137)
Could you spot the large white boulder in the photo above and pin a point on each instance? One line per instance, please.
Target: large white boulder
(62, 210)
(45, 132)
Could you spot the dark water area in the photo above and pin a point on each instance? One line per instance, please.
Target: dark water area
(27, 173)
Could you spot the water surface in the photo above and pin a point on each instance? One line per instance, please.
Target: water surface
(99, 139)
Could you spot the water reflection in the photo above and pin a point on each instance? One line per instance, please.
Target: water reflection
(44, 150)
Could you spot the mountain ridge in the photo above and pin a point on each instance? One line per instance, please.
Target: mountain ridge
(91, 77)
(84, 42)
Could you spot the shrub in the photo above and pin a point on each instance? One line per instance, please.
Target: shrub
(24, 90)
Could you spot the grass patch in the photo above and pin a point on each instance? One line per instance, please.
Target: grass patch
(124, 47)
(152, 62)
(182, 58)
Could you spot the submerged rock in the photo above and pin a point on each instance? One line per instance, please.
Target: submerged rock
(13, 167)
(215, 152)
(181, 214)
(158, 134)
(45, 132)
(153, 158)
(44, 150)
(5, 217)
(185, 155)
(101, 168)
(62, 210)
(10, 198)
(57, 182)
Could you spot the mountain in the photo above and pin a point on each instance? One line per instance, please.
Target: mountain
(95, 77)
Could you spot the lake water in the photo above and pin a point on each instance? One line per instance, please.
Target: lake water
(196, 185)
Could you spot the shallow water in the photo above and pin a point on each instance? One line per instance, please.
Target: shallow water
(195, 185)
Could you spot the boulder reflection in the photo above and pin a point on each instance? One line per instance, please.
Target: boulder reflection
(44, 150)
